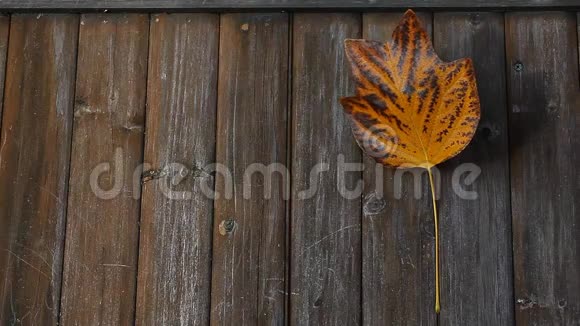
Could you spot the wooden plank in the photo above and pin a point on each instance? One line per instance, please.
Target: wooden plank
(100, 262)
(34, 165)
(325, 264)
(248, 281)
(275, 4)
(398, 243)
(544, 105)
(4, 30)
(475, 231)
(175, 241)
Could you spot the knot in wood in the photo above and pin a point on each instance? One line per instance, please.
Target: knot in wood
(227, 226)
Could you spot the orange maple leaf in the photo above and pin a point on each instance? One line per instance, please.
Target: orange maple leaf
(411, 109)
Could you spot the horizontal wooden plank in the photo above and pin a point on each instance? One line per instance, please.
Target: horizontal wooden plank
(274, 4)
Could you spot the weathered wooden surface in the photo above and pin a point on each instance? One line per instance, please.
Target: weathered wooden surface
(176, 217)
(100, 262)
(275, 4)
(34, 165)
(248, 282)
(263, 88)
(325, 262)
(398, 243)
(4, 30)
(475, 228)
(544, 106)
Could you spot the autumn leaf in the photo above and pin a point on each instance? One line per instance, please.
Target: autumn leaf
(411, 109)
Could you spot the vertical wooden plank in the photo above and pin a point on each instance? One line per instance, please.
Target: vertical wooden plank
(100, 262)
(248, 281)
(4, 30)
(398, 243)
(325, 257)
(544, 105)
(34, 165)
(475, 231)
(175, 241)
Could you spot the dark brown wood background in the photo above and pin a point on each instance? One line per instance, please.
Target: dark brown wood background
(151, 89)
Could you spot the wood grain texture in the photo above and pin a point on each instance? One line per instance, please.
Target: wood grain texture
(176, 217)
(476, 259)
(325, 262)
(248, 281)
(34, 165)
(4, 30)
(274, 4)
(544, 105)
(100, 262)
(398, 243)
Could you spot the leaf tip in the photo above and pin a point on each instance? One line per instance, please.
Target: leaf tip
(351, 42)
(469, 63)
(346, 103)
(410, 13)
(408, 24)
(410, 16)
(352, 46)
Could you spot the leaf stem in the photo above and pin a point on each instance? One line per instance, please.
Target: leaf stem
(436, 222)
